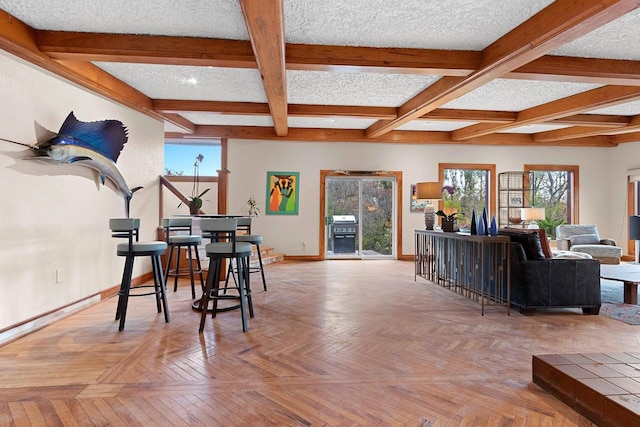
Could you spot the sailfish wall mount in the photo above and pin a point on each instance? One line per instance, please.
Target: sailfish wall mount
(96, 145)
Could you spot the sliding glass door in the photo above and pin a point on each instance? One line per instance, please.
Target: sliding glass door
(360, 214)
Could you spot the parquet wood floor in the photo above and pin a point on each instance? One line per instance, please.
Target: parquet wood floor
(332, 343)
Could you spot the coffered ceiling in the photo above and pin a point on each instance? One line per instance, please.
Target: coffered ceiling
(482, 72)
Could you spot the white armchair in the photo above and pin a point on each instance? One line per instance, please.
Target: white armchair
(585, 239)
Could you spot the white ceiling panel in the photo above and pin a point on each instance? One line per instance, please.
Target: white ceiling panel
(628, 109)
(328, 123)
(434, 126)
(616, 40)
(192, 18)
(225, 119)
(535, 128)
(328, 88)
(516, 95)
(436, 24)
(191, 83)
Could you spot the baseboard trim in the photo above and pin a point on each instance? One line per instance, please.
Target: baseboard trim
(33, 324)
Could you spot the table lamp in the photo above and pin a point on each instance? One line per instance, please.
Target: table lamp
(634, 233)
(429, 191)
(532, 215)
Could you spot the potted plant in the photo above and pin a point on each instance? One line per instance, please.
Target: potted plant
(195, 201)
(449, 222)
(253, 208)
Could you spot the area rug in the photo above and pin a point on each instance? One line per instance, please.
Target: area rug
(612, 305)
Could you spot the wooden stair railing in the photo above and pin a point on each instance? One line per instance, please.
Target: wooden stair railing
(166, 183)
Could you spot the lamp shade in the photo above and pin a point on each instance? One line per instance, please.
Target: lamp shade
(634, 227)
(532, 214)
(429, 190)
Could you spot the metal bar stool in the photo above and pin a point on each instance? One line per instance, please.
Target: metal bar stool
(187, 241)
(128, 228)
(244, 225)
(224, 246)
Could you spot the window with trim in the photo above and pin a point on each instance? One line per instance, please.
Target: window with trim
(555, 188)
(467, 187)
(179, 158)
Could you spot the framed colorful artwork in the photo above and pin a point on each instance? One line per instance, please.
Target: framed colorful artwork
(283, 189)
(416, 205)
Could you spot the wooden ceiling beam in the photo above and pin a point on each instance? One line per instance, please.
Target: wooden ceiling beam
(74, 46)
(596, 98)
(399, 137)
(265, 24)
(557, 24)
(442, 114)
(195, 51)
(601, 120)
(262, 109)
(580, 70)
(180, 122)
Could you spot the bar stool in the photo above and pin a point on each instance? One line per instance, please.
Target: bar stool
(244, 224)
(224, 246)
(190, 243)
(128, 228)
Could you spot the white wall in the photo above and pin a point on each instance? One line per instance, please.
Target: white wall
(56, 217)
(249, 162)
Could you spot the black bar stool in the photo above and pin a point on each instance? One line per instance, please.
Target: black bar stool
(187, 241)
(128, 228)
(222, 231)
(244, 226)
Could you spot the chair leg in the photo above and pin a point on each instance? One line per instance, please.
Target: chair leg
(212, 276)
(167, 270)
(126, 287)
(241, 291)
(247, 284)
(195, 248)
(193, 283)
(177, 271)
(264, 282)
(161, 289)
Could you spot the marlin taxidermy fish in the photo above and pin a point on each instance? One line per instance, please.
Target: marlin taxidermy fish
(93, 144)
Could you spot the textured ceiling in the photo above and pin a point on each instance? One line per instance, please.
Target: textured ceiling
(401, 79)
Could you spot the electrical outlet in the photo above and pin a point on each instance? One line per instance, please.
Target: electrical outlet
(59, 275)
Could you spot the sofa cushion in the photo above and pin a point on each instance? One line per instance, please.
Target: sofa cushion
(571, 255)
(528, 238)
(584, 239)
(544, 242)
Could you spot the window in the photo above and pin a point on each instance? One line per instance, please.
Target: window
(467, 187)
(555, 190)
(180, 157)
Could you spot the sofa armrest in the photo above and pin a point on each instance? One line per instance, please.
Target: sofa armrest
(609, 242)
(563, 244)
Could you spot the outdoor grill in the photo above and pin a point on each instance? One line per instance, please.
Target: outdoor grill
(344, 232)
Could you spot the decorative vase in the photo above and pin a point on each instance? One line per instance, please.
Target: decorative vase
(193, 208)
(493, 230)
(485, 222)
(429, 216)
(474, 223)
(480, 227)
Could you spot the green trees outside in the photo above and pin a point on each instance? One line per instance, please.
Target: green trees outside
(551, 192)
(343, 198)
(465, 189)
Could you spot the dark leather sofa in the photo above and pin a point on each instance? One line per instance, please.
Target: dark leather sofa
(538, 281)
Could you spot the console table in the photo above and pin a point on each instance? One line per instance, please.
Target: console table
(473, 266)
